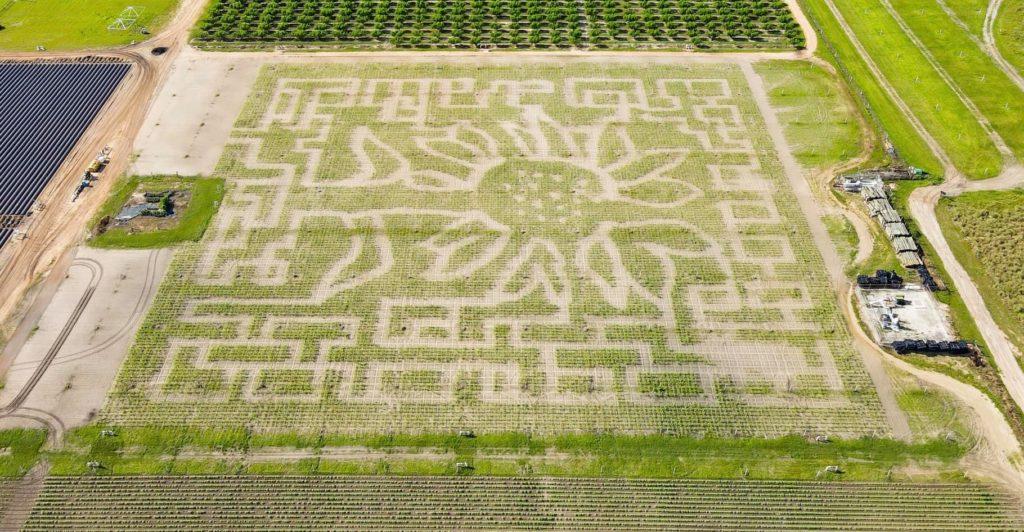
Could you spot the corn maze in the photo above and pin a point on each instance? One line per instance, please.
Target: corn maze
(544, 248)
(482, 503)
(507, 23)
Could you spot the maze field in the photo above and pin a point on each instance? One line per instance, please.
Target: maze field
(545, 248)
(507, 23)
(44, 108)
(482, 503)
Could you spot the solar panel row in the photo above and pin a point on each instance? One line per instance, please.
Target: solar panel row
(44, 109)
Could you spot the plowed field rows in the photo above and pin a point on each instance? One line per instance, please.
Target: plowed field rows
(443, 503)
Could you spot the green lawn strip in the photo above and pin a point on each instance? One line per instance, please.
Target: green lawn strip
(77, 24)
(902, 134)
(973, 70)
(986, 378)
(19, 450)
(983, 203)
(1009, 32)
(135, 451)
(207, 193)
(933, 102)
(819, 119)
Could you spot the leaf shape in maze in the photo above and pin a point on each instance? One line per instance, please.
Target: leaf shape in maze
(464, 247)
(645, 250)
(538, 266)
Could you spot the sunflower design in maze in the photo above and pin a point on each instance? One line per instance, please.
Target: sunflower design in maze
(539, 248)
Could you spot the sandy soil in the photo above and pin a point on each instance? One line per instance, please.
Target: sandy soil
(67, 365)
(192, 116)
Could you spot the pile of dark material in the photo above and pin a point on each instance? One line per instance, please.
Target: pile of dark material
(926, 278)
(881, 279)
(956, 347)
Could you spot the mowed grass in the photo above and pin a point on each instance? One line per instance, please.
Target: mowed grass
(970, 12)
(179, 450)
(990, 225)
(19, 450)
(998, 98)
(1009, 32)
(924, 91)
(206, 197)
(904, 137)
(77, 24)
(818, 114)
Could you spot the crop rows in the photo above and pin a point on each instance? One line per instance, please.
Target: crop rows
(45, 108)
(507, 23)
(572, 248)
(444, 503)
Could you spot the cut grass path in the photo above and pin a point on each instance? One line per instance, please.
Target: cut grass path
(76, 24)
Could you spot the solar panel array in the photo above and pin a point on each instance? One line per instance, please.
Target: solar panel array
(45, 108)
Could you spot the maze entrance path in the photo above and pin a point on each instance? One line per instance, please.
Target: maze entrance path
(547, 248)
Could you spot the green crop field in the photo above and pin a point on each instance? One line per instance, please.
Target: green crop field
(445, 503)
(78, 24)
(505, 23)
(559, 248)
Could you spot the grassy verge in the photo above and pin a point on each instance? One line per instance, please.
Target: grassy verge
(1009, 32)
(1000, 251)
(175, 451)
(985, 378)
(19, 450)
(972, 69)
(77, 24)
(207, 193)
(840, 51)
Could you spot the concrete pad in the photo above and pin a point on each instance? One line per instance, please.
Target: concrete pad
(922, 317)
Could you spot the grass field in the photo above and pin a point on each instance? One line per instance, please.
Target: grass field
(76, 24)
(206, 195)
(443, 503)
(192, 451)
(988, 224)
(19, 450)
(837, 48)
(606, 248)
(998, 98)
(969, 12)
(820, 117)
(1009, 32)
(934, 103)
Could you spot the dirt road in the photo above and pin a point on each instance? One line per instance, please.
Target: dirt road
(990, 46)
(60, 225)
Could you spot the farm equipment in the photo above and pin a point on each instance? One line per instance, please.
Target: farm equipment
(101, 160)
(87, 179)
